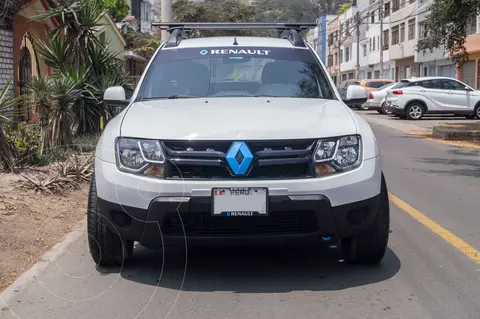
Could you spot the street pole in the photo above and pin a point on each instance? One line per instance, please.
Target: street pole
(166, 16)
(339, 73)
(357, 69)
(380, 16)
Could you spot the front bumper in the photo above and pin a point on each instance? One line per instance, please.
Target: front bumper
(170, 221)
(145, 210)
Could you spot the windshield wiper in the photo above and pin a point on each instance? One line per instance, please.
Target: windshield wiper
(171, 97)
(264, 95)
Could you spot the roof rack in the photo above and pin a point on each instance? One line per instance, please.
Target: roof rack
(179, 30)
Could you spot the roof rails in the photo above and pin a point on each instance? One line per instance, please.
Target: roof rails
(179, 30)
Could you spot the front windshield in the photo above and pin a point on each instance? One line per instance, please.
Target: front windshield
(237, 72)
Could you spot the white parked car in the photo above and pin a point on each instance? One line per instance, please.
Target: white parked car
(203, 151)
(415, 97)
(376, 99)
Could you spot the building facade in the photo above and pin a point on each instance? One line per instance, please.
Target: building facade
(378, 39)
(470, 71)
(333, 44)
(6, 57)
(348, 48)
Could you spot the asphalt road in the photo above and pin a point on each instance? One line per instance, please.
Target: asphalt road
(425, 273)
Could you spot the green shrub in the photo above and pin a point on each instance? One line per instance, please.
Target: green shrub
(25, 141)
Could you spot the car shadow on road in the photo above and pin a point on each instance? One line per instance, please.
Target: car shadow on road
(451, 166)
(254, 269)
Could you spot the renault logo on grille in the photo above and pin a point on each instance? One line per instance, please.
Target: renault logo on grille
(239, 158)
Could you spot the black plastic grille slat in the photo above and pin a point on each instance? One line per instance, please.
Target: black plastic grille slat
(206, 159)
(204, 224)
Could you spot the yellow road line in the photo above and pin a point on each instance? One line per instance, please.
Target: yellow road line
(450, 238)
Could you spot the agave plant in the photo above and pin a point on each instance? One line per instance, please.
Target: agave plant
(6, 104)
(74, 52)
(55, 99)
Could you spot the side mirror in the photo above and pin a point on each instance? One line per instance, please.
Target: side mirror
(468, 89)
(354, 95)
(115, 96)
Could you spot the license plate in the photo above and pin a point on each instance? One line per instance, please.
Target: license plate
(240, 201)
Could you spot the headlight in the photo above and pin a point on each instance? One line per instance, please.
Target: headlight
(140, 156)
(337, 154)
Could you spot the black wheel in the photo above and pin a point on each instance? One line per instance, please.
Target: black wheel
(470, 116)
(361, 107)
(106, 247)
(380, 111)
(477, 112)
(384, 109)
(369, 247)
(414, 111)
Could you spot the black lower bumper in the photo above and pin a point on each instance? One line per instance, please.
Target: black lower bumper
(168, 221)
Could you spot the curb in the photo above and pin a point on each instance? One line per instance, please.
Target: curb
(25, 279)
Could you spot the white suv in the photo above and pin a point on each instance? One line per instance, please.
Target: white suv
(412, 98)
(237, 138)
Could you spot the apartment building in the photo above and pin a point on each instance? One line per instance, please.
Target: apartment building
(470, 71)
(371, 45)
(403, 37)
(348, 48)
(333, 59)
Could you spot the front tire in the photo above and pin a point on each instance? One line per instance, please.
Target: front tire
(369, 247)
(384, 109)
(106, 247)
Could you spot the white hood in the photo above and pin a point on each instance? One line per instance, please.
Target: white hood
(237, 118)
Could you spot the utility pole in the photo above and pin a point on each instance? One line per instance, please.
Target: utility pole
(166, 16)
(380, 16)
(340, 56)
(357, 68)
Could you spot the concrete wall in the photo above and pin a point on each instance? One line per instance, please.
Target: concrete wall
(6, 58)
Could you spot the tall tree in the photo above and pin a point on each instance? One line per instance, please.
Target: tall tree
(214, 11)
(117, 9)
(447, 26)
(287, 11)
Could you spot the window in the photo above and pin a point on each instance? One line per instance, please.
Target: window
(386, 9)
(378, 42)
(372, 17)
(351, 75)
(370, 47)
(364, 50)
(347, 26)
(395, 38)
(344, 77)
(421, 30)
(374, 46)
(376, 74)
(369, 75)
(281, 73)
(430, 84)
(335, 59)
(411, 29)
(453, 85)
(395, 5)
(412, 1)
(330, 39)
(330, 60)
(341, 55)
(385, 39)
(402, 32)
(101, 38)
(472, 25)
(347, 54)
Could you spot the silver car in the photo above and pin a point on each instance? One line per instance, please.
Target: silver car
(376, 99)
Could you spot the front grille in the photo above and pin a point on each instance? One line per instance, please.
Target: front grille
(206, 159)
(204, 224)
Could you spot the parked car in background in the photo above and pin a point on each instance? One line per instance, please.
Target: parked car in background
(412, 98)
(374, 84)
(376, 99)
(368, 84)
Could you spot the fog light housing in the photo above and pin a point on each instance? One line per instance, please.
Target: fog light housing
(323, 169)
